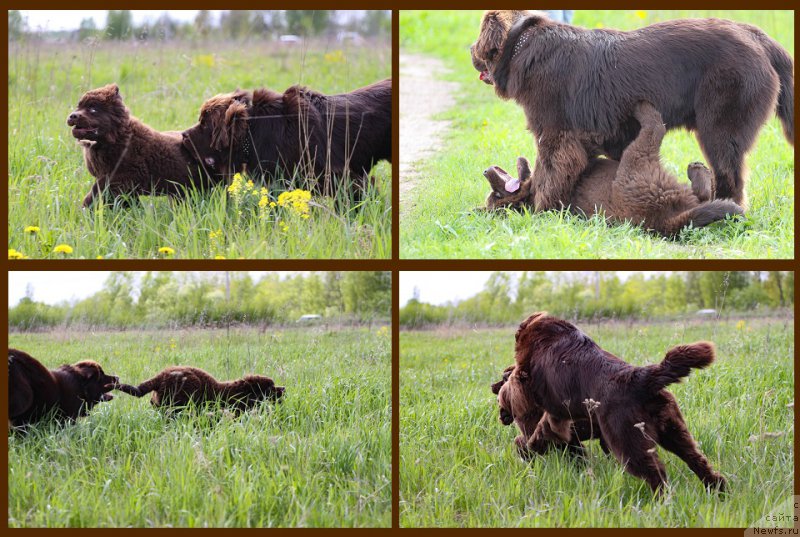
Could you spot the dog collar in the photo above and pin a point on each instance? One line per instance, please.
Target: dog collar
(246, 148)
(524, 38)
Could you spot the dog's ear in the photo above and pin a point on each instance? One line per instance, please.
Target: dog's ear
(523, 169)
(529, 322)
(236, 122)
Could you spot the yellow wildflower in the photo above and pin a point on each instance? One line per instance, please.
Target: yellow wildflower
(32, 229)
(641, 14)
(166, 250)
(297, 200)
(13, 254)
(219, 257)
(63, 249)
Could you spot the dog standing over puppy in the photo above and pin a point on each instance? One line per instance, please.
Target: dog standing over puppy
(69, 391)
(178, 386)
(561, 371)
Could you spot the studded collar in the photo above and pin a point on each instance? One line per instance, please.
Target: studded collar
(523, 39)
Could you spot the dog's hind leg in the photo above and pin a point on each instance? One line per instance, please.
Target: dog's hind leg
(675, 437)
(634, 449)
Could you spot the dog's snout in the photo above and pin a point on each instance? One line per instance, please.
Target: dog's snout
(72, 118)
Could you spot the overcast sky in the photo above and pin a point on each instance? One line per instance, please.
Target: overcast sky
(53, 20)
(54, 287)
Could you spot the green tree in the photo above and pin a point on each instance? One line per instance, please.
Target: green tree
(119, 24)
(16, 25)
(308, 22)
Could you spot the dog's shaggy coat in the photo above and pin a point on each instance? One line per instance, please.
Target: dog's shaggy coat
(67, 392)
(561, 371)
(298, 131)
(178, 386)
(636, 189)
(125, 155)
(578, 87)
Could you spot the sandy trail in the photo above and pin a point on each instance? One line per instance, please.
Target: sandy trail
(423, 94)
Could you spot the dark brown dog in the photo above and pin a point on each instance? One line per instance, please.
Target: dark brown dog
(578, 87)
(636, 189)
(561, 371)
(67, 392)
(297, 131)
(125, 155)
(179, 386)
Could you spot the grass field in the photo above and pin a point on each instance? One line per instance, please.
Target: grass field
(459, 465)
(321, 458)
(486, 131)
(164, 86)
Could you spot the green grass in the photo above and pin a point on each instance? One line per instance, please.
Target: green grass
(164, 86)
(486, 131)
(321, 458)
(459, 465)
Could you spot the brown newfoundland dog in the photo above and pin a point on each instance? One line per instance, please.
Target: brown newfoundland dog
(179, 386)
(67, 393)
(636, 189)
(125, 155)
(578, 87)
(566, 377)
(297, 131)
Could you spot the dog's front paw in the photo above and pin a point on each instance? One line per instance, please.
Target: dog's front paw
(522, 447)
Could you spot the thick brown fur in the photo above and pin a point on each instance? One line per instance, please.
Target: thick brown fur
(636, 189)
(178, 386)
(717, 78)
(297, 131)
(66, 393)
(561, 371)
(126, 156)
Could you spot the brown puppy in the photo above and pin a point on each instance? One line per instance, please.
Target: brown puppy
(560, 370)
(636, 189)
(178, 386)
(299, 130)
(125, 155)
(578, 87)
(68, 392)
(581, 429)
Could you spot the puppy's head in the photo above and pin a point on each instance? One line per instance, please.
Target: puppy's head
(94, 382)
(99, 117)
(220, 130)
(262, 388)
(515, 404)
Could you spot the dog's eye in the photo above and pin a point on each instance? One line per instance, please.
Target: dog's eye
(492, 53)
(93, 110)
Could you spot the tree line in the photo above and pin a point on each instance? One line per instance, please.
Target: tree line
(182, 299)
(233, 24)
(507, 298)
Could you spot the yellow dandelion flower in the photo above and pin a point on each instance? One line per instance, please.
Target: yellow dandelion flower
(99, 257)
(599, 25)
(641, 14)
(32, 229)
(13, 254)
(63, 249)
(166, 250)
(219, 257)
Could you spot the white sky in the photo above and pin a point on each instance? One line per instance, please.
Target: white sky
(54, 20)
(53, 287)
(439, 287)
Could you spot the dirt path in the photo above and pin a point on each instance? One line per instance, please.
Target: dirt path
(423, 94)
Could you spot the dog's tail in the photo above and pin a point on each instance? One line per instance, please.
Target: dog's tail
(784, 66)
(701, 216)
(678, 363)
(138, 391)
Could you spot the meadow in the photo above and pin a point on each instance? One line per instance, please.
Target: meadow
(164, 85)
(486, 131)
(320, 458)
(459, 466)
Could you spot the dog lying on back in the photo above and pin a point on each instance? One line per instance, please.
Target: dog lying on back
(125, 155)
(635, 189)
(67, 392)
(561, 372)
(179, 386)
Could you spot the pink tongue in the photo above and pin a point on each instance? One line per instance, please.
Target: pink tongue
(512, 185)
(483, 75)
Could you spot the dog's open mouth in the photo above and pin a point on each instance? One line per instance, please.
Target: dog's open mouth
(496, 175)
(486, 77)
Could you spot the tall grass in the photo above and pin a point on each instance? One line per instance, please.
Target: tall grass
(487, 131)
(320, 458)
(459, 466)
(164, 86)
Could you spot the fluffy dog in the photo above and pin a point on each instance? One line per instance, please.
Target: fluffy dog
(561, 371)
(125, 155)
(67, 392)
(178, 386)
(578, 87)
(635, 189)
(299, 130)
